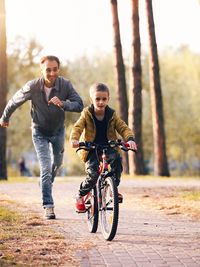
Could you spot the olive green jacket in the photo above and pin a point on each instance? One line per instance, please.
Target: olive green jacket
(84, 129)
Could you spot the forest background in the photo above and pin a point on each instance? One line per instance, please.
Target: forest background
(180, 79)
(179, 82)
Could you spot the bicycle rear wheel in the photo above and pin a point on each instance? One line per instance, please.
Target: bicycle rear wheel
(109, 210)
(92, 210)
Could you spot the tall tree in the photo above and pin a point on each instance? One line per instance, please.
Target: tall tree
(160, 156)
(136, 162)
(3, 88)
(120, 73)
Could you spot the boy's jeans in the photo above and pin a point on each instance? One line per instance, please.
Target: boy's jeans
(92, 170)
(49, 151)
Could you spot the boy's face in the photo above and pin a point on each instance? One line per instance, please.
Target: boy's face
(100, 101)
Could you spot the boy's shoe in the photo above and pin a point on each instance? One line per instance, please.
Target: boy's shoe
(49, 213)
(79, 204)
(120, 198)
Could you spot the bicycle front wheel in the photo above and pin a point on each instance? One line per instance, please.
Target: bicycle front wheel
(92, 210)
(109, 210)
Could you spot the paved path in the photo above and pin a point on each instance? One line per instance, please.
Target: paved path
(145, 236)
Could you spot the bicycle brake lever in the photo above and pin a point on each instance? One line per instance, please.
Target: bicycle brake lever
(84, 148)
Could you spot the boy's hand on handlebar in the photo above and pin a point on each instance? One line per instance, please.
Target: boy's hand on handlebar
(75, 143)
(3, 124)
(132, 145)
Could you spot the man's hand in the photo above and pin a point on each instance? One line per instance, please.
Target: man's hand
(132, 145)
(56, 101)
(75, 143)
(3, 124)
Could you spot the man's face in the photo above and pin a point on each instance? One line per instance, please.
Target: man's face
(50, 72)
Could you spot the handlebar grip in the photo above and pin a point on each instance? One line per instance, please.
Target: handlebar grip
(82, 144)
(127, 147)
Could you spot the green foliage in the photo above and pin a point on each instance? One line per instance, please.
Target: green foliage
(180, 79)
(21, 68)
(74, 166)
(180, 82)
(84, 71)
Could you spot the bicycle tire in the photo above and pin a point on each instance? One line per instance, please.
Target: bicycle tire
(92, 210)
(109, 210)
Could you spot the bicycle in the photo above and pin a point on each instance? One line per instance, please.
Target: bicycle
(102, 203)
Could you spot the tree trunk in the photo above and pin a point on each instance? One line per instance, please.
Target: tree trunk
(3, 89)
(160, 157)
(136, 161)
(120, 73)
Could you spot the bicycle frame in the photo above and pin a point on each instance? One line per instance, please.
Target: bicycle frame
(102, 201)
(103, 173)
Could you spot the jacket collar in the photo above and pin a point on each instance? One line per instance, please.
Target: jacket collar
(108, 111)
(56, 86)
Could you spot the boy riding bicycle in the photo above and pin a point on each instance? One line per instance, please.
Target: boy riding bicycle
(99, 123)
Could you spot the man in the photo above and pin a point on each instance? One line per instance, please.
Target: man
(50, 95)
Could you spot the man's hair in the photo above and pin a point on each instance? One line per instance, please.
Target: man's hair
(98, 87)
(51, 58)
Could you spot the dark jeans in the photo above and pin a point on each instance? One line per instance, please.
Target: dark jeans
(92, 170)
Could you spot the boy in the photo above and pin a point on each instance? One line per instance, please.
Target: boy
(99, 123)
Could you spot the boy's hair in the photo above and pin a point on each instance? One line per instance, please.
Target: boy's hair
(51, 58)
(98, 87)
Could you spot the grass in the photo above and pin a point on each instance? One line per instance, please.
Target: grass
(8, 216)
(195, 196)
(17, 179)
(28, 240)
(20, 179)
(151, 177)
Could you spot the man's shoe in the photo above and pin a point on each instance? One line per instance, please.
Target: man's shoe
(120, 198)
(80, 204)
(49, 213)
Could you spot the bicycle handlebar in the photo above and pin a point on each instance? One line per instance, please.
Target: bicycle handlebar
(118, 143)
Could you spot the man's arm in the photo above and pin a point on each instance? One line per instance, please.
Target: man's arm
(17, 100)
(3, 124)
(73, 103)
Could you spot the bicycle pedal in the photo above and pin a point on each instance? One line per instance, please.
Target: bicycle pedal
(82, 211)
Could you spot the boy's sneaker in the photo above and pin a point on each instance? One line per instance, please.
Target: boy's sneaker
(49, 213)
(79, 204)
(120, 198)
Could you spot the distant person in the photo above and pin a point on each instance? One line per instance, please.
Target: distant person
(99, 123)
(51, 96)
(24, 171)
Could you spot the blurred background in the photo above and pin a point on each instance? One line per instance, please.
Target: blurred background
(80, 33)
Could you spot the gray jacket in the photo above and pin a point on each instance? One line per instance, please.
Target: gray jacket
(48, 118)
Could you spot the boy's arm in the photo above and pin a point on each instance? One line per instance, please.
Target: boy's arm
(123, 129)
(126, 133)
(77, 130)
